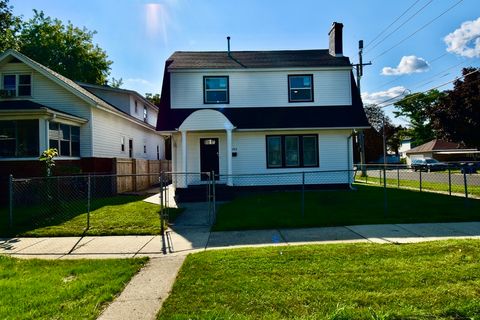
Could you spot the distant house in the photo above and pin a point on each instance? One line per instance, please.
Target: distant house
(405, 145)
(442, 151)
(88, 124)
(262, 112)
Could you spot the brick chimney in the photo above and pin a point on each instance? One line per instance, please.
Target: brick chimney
(335, 47)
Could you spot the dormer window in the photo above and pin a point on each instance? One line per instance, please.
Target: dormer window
(16, 85)
(215, 90)
(300, 88)
(145, 114)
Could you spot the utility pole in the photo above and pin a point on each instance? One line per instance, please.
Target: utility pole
(361, 135)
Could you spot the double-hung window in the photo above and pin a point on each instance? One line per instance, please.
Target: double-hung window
(64, 138)
(292, 151)
(16, 85)
(300, 88)
(215, 90)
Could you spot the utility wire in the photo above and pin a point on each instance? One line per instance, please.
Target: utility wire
(401, 25)
(437, 74)
(418, 30)
(384, 30)
(418, 93)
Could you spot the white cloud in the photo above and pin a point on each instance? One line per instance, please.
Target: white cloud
(407, 65)
(465, 41)
(141, 85)
(381, 96)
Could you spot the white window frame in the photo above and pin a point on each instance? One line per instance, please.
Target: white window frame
(17, 83)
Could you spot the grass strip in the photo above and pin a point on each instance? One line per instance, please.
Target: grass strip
(435, 280)
(61, 289)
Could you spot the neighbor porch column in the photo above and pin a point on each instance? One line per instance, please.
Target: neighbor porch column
(184, 179)
(229, 158)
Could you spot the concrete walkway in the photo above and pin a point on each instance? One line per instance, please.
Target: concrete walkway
(144, 295)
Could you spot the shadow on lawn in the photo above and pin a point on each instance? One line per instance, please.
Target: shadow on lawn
(56, 212)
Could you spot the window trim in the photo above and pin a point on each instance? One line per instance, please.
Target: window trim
(17, 83)
(300, 148)
(205, 90)
(70, 140)
(290, 88)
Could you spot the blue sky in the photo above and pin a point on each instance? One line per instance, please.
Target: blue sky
(140, 35)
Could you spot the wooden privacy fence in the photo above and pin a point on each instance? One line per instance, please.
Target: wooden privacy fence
(139, 174)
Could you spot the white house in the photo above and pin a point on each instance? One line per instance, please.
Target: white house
(243, 113)
(40, 109)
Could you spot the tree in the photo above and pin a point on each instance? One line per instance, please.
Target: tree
(65, 49)
(456, 115)
(153, 98)
(374, 140)
(116, 83)
(9, 27)
(416, 108)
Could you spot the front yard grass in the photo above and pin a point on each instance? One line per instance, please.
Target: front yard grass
(119, 215)
(66, 289)
(434, 280)
(342, 207)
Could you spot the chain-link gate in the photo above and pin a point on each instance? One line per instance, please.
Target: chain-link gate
(192, 190)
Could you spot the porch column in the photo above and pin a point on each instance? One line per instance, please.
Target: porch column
(229, 158)
(184, 179)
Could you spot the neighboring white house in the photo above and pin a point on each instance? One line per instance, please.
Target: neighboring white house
(261, 112)
(405, 145)
(40, 109)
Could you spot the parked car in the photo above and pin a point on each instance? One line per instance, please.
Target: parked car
(428, 164)
(470, 167)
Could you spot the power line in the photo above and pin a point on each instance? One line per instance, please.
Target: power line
(418, 30)
(401, 25)
(437, 74)
(384, 30)
(436, 87)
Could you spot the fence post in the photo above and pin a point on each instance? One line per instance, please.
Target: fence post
(89, 196)
(449, 181)
(303, 195)
(420, 180)
(465, 183)
(213, 198)
(162, 218)
(10, 200)
(398, 177)
(380, 176)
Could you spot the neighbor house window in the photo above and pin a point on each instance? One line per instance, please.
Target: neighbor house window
(136, 106)
(122, 142)
(64, 138)
(19, 138)
(145, 114)
(144, 148)
(292, 151)
(215, 89)
(16, 85)
(300, 88)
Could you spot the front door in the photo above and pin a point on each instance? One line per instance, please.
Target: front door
(209, 156)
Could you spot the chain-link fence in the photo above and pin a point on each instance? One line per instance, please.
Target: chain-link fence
(453, 179)
(71, 205)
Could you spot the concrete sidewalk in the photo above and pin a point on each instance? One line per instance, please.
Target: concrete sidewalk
(186, 239)
(145, 293)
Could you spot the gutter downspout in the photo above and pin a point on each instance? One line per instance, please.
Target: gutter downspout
(349, 166)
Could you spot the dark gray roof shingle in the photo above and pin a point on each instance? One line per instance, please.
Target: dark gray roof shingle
(255, 59)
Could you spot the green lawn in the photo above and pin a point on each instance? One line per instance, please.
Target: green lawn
(120, 215)
(435, 280)
(415, 184)
(342, 207)
(67, 289)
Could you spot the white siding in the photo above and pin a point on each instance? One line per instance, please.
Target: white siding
(51, 94)
(151, 112)
(109, 130)
(261, 88)
(250, 164)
